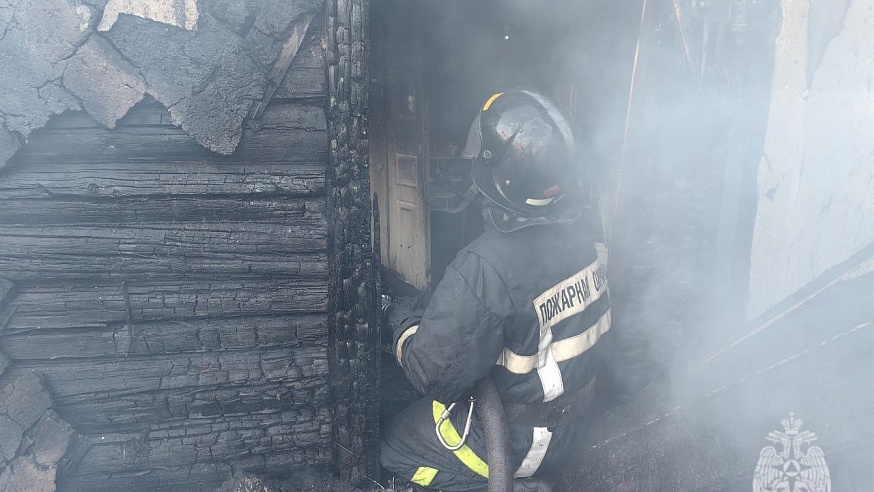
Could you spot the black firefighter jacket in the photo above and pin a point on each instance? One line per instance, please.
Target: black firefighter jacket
(528, 306)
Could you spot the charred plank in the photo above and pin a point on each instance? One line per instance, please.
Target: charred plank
(71, 305)
(290, 131)
(154, 250)
(167, 337)
(124, 179)
(306, 77)
(156, 209)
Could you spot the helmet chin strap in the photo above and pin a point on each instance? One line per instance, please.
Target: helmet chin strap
(468, 198)
(505, 220)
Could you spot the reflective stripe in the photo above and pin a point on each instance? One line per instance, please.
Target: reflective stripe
(547, 368)
(488, 103)
(539, 445)
(539, 202)
(574, 346)
(549, 374)
(464, 453)
(569, 297)
(399, 350)
(424, 476)
(562, 350)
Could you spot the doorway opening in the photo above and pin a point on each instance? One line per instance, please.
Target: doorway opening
(433, 66)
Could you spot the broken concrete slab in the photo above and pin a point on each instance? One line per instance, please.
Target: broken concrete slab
(23, 399)
(10, 437)
(50, 436)
(38, 37)
(24, 475)
(8, 145)
(207, 79)
(107, 85)
(236, 14)
(179, 13)
(33, 438)
(244, 483)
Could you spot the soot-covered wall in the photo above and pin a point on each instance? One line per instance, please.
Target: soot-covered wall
(181, 292)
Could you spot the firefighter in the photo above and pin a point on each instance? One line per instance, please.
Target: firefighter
(526, 302)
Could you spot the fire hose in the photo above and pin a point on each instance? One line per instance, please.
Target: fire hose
(497, 436)
(497, 433)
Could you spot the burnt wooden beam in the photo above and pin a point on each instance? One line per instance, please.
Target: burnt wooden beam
(277, 74)
(292, 131)
(354, 348)
(175, 302)
(67, 305)
(306, 77)
(162, 337)
(264, 208)
(90, 180)
(163, 250)
(164, 387)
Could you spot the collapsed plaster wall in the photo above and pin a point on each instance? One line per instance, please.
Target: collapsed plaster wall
(815, 205)
(208, 72)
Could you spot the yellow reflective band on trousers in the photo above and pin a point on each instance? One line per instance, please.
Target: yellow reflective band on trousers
(424, 476)
(452, 438)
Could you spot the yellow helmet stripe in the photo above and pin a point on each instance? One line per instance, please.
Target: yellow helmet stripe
(491, 100)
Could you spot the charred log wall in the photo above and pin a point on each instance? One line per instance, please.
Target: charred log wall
(175, 302)
(354, 348)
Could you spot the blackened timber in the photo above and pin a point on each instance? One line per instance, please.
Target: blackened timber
(156, 209)
(175, 301)
(290, 131)
(154, 250)
(69, 305)
(174, 336)
(354, 328)
(120, 179)
(196, 385)
(306, 78)
(199, 476)
(206, 476)
(286, 56)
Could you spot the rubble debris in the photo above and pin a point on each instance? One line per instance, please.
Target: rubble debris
(33, 438)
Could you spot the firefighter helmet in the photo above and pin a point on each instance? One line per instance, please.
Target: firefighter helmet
(523, 150)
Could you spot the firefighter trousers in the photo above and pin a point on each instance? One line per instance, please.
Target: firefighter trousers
(411, 449)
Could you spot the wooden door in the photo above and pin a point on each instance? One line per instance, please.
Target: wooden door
(400, 167)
